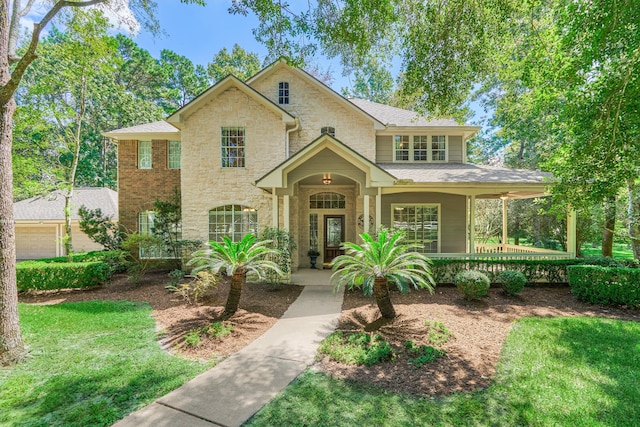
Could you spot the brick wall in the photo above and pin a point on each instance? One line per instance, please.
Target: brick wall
(139, 188)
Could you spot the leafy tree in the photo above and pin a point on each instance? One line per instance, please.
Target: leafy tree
(12, 70)
(239, 62)
(373, 82)
(100, 228)
(379, 261)
(183, 80)
(236, 259)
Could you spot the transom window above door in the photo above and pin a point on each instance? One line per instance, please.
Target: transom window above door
(327, 200)
(420, 148)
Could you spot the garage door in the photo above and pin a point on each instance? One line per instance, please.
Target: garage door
(35, 242)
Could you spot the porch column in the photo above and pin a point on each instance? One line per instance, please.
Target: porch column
(379, 208)
(274, 209)
(571, 233)
(472, 224)
(286, 212)
(504, 224)
(365, 212)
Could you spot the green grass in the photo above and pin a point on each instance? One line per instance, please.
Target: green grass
(620, 251)
(552, 371)
(90, 364)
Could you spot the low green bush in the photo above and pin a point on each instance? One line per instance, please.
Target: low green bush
(606, 285)
(472, 284)
(116, 259)
(357, 348)
(37, 275)
(424, 354)
(512, 281)
(437, 332)
(535, 271)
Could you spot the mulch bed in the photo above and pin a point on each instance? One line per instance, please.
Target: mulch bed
(478, 327)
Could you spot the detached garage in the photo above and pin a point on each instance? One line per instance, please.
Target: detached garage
(39, 222)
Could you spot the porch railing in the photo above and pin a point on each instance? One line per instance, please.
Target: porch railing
(500, 251)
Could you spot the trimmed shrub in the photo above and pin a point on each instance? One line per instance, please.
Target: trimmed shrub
(512, 281)
(605, 285)
(472, 284)
(37, 275)
(117, 260)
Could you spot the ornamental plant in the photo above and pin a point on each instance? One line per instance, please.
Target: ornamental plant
(512, 281)
(472, 284)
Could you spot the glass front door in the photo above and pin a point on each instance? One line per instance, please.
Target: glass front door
(333, 236)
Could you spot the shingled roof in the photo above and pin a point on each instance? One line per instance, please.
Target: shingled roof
(463, 173)
(50, 207)
(397, 116)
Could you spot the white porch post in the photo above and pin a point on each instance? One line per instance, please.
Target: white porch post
(504, 225)
(274, 209)
(571, 232)
(379, 208)
(472, 224)
(365, 212)
(286, 212)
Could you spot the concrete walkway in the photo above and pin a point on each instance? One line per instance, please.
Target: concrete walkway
(232, 391)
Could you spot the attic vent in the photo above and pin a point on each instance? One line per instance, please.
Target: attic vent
(329, 130)
(283, 93)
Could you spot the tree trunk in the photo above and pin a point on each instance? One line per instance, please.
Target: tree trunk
(609, 226)
(11, 345)
(383, 299)
(68, 239)
(235, 291)
(633, 213)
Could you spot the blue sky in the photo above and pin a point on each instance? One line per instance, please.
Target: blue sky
(200, 32)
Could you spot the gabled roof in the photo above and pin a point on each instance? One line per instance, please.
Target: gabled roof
(282, 63)
(147, 131)
(394, 117)
(277, 177)
(50, 207)
(214, 91)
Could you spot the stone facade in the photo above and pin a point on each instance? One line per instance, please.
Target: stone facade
(139, 188)
(206, 184)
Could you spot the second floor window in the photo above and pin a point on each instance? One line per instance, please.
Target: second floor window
(329, 130)
(420, 148)
(144, 154)
(232, 147)
(173, 155)
(283, 93)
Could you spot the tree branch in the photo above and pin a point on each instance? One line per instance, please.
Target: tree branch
(7, 90)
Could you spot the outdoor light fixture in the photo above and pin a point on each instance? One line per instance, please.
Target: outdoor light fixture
(326, 179)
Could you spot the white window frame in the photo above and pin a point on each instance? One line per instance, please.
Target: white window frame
(173, 154)
(245, 216)
(412, 141)
(145, 227)
(227, 146)
(145, 155)
(283, 93)
(329, 130)
(394, 206)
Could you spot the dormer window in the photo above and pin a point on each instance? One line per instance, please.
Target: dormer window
(329, 130)
(283, 93)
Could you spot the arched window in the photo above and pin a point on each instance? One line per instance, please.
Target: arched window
(329, 130)
(234, 221)
(327, 200)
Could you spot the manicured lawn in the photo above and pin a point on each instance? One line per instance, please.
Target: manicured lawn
(90, 364)
(553, 371)
(620, 251)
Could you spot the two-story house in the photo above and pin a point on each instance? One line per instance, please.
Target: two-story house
(284, 150)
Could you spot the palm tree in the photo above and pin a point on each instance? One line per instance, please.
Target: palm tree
(379, 261)
(236, 259)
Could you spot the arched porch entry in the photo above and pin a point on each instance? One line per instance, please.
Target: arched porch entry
(324, 195)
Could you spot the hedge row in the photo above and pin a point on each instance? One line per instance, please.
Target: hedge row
(536, 271)
(605, 285)
(38, 275)
(116, 259)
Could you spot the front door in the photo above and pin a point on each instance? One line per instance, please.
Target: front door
(333, 236)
